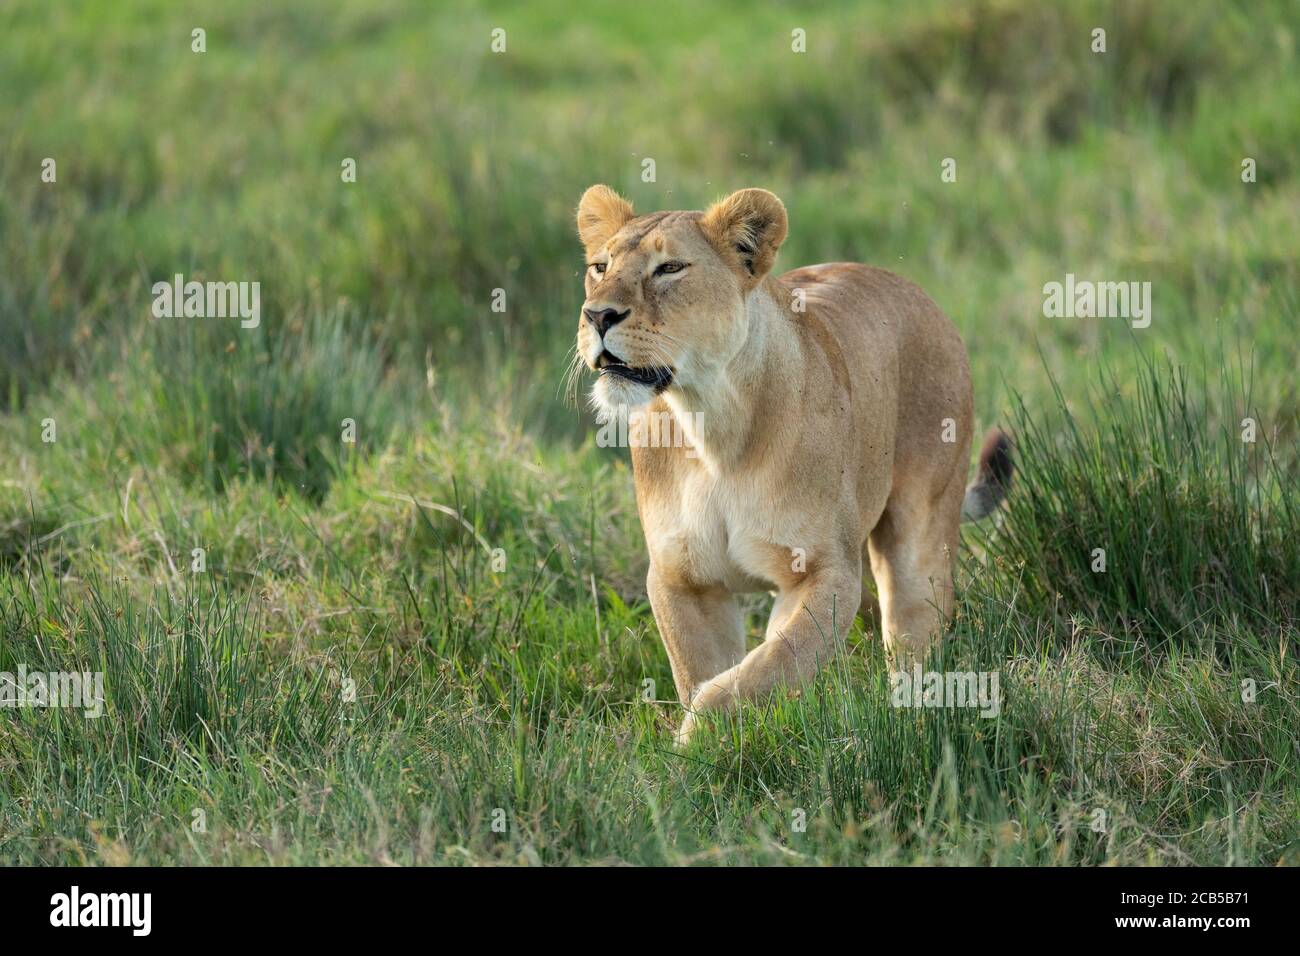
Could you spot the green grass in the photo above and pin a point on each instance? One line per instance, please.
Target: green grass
(479, 690)
(1156, 518)
(398, 641)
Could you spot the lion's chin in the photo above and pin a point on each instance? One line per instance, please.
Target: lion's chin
(612, 397)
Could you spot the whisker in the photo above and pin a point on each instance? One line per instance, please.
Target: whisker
(569, 381)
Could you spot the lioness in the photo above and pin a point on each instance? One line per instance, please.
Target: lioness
(828, 415)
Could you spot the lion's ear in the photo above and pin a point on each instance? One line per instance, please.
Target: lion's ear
(748, 228)
(601, 213)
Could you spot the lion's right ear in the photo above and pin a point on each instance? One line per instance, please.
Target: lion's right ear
(601, 213)
(747, 228)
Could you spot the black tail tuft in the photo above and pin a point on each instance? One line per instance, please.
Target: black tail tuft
(994, 478)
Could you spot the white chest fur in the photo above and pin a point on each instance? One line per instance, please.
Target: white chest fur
(719, 530)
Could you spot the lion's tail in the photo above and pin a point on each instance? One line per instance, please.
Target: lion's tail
(994, 478)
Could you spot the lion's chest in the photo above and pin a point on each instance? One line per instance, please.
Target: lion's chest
(722, 532)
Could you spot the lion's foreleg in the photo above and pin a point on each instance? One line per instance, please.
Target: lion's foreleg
(701, 628)
(822, 609)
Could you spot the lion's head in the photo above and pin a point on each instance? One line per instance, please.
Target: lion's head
(666, 292)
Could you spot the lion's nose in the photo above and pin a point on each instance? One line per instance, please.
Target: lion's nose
(603, 319)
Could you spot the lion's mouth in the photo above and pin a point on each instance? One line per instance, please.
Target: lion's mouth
(657, 378)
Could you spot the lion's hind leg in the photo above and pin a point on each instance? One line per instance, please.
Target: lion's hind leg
(912, 551)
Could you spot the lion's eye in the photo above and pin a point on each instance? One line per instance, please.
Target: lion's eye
(597, 267)
(668, 268)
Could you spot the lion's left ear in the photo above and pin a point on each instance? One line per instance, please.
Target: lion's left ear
(748, 228)
(601, 213)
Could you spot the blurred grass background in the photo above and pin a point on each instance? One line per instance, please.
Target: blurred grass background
(226, 165)
(376, 298)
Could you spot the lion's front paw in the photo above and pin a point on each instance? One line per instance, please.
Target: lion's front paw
(683, 736)
(713, 696)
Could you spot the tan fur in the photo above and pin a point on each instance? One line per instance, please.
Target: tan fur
(818, 440)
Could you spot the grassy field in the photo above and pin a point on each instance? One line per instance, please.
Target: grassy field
(433, 645)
